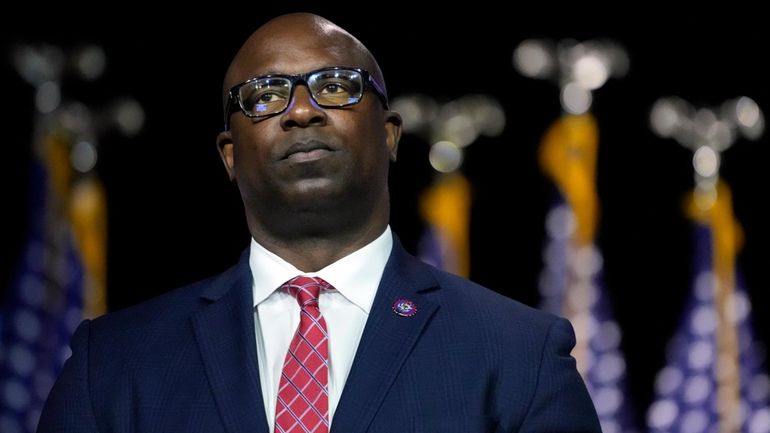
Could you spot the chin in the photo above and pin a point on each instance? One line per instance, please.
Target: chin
(313, 188)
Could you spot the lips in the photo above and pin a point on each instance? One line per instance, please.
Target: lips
(307, 150)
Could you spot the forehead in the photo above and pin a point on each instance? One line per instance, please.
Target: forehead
(295, 53)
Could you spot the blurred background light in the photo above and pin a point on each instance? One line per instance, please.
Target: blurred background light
(445, 156)
(534, 58)
(90, 61)
(575, 99)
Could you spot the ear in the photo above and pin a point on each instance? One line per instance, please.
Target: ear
(393, 130)
(226, 152)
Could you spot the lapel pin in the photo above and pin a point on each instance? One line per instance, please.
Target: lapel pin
(404, 307)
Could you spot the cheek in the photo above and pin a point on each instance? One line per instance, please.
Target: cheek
(250, 158)
(372, 143)
(252, 144)
(361, 126)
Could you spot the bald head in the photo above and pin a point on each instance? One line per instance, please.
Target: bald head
(298, 43)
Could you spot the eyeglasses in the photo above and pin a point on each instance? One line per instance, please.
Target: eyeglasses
(329, 87)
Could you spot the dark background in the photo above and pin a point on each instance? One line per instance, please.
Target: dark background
(175, 218)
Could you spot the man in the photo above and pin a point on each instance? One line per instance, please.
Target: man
(385, 343)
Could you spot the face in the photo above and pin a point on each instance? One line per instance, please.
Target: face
(307, 157)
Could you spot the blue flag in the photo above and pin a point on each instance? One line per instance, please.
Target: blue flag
(44, 306)
(714, 379)
(445, 207)
(572, 283)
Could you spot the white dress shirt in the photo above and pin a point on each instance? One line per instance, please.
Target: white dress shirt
(345, 309)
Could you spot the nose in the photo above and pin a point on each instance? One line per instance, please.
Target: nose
(302, 111)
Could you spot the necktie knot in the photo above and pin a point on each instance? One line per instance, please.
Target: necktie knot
(306, 289)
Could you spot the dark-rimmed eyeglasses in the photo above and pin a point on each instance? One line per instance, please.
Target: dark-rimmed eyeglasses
(329, 87)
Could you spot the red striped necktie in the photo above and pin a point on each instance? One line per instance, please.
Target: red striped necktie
(303, 392)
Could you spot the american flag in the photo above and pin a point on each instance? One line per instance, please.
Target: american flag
(571, 286)
(445, 208)
(59, 279)
(45, 305)
(571, 282)
(714, 381)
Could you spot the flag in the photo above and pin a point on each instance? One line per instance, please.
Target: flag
(445, 206)
(571, 283)
(713, 380)
(59, 280)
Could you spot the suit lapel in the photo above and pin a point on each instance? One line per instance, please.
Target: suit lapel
(225, 334)
(387, 340)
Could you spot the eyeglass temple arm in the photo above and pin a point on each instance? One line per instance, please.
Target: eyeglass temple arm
(380, 92)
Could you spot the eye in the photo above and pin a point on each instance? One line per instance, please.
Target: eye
(266, 97)
(258, 101)
(333, 88)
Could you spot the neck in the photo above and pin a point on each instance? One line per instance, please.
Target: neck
(312, 243)
(311, 254)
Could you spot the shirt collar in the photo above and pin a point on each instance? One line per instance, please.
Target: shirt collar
(355, 276)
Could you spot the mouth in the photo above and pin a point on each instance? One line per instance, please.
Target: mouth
(307, 151)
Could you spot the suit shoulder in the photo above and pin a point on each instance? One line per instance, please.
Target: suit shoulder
(498, 328)
(170, 307)
(462, 293)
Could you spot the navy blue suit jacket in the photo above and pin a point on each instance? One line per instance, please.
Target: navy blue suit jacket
(470, 360)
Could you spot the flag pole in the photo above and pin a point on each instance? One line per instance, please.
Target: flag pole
(708, 132)
(445, 205)
(571, 282)
(61, 276)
